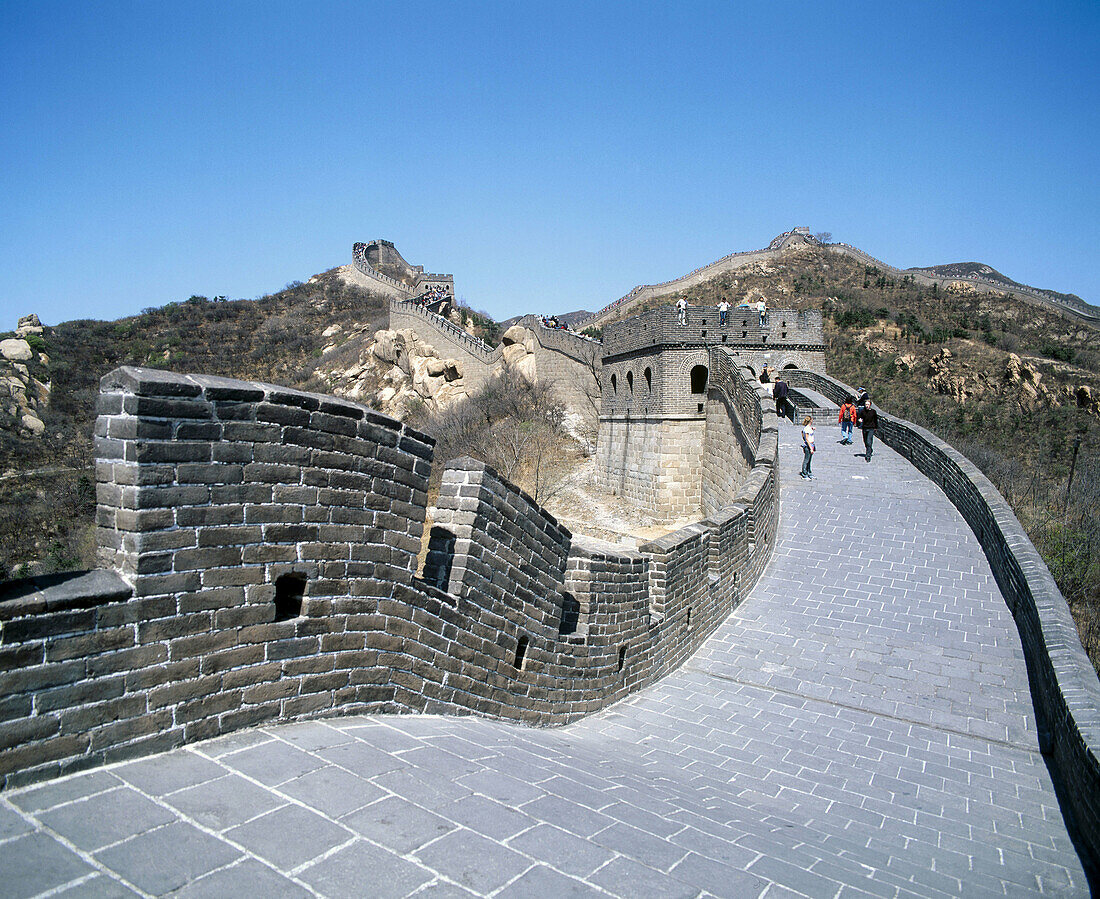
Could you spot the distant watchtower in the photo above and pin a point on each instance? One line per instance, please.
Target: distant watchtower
(656, 374)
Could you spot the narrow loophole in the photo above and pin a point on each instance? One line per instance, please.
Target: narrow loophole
(289, 590)
(521, 653)
(622, 656)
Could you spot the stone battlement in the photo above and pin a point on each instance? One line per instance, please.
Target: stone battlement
(262, 549)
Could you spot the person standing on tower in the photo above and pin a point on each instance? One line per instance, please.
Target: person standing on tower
(682, 311)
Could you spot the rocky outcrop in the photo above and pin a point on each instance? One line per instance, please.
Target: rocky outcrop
(398, 370)
(24, 383)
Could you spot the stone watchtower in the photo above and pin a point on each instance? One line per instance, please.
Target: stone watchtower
(656, 372)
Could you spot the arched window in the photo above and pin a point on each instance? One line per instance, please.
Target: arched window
(614, 385)
(699, 379)
(649, 379)
(630, 380)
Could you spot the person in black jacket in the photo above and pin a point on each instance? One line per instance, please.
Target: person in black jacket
(867, 419)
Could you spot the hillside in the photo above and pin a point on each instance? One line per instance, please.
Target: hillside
(279, 337)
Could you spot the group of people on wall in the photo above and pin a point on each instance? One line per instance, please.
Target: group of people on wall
(855, 412)
(723, 308)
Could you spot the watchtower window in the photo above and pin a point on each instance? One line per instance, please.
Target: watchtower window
(649, 379)
(289, 590)
(699, 379)
(614, 384)
(630, 381)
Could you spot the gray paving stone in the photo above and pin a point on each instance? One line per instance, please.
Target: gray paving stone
(12, 824)
(105, 818)
(249, 878)
(223, 803)
(168, 773)
(489, 817)
(35, 863)
(332, 791)
(397, 824)
(273, 763)
(312, 735)
(627, 878)
(541, 882)
(474, 861)
(165, 859)
(289, 836)
(361, 870)
(34, 799)
(565, 851)
(98, 886)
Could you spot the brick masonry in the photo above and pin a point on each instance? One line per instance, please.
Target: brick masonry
(260, 549)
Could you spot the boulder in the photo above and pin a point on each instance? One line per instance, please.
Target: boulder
(452, 370)
(513, 353)
(384, 346)
(33, 424)
(28, 324)
(16, 350)
(515, 334)
(527, 370)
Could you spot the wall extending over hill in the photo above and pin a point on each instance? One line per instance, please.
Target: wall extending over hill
(567, 361)
(387, 271)
(801, 237)
(262, 546)
(1063, 682)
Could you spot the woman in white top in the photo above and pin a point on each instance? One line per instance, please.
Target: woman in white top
(808, 448)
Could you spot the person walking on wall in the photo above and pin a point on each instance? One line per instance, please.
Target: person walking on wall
(847, 420)
(808, 448)
(682, 311)
(723, 310)
(763, 307)
(779, 391)
(868, 420)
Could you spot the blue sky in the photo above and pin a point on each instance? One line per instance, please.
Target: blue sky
(549, 155)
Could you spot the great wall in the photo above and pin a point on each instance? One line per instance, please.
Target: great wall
(801, 237)
(259, 551)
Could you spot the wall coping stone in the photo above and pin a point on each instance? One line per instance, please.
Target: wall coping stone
(57, 592)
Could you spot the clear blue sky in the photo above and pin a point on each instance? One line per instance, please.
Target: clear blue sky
(550, 155)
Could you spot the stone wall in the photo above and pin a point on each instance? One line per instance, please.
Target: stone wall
(262, 545)
(655, 463)
(1064, 685)
(565, 361)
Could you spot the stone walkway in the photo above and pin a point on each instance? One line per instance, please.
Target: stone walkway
(861, 726)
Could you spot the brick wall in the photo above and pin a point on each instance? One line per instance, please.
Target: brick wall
(262, 546)
(1063, 682)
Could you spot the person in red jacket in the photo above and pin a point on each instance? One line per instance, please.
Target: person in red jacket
(847, 420)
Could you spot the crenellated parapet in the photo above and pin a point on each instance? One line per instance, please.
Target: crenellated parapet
(261, 550)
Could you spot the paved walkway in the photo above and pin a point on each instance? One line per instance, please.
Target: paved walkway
(861, 726)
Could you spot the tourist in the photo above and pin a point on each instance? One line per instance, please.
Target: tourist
(780, 393)
(868, 421)
(861, 398)
(682, 311)
(808, 448)
(765, 375)
(723, 310)
(847, 420)
(762, 306)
